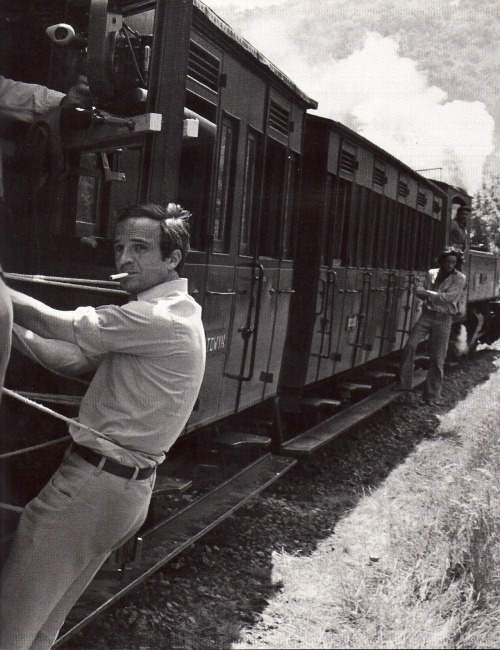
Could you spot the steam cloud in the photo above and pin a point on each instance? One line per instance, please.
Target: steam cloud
(374, 90)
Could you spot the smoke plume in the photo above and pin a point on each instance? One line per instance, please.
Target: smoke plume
(372, 88)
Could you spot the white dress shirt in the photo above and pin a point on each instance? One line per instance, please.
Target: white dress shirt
(152, 361)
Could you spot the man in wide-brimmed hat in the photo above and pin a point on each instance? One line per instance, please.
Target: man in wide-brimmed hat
(442, 294)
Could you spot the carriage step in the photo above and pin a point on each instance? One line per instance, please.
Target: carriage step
(381, 374)
(349, 387)
(171, 485)
(167, 539)
(318, 402)
(421, 361)
(334, 426)
(238, 440)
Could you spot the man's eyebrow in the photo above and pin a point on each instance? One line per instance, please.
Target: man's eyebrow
(136, 240)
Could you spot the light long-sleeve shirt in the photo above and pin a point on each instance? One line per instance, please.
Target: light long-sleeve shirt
(447, 296)
(23, 102)
(147, 382)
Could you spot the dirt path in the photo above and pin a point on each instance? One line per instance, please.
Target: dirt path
(222, 584)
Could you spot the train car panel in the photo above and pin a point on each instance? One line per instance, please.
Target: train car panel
(379, 294)
(391, 181)
(297, 121)
(250, 338)
(482, 276)
(333, 149)
(244, 92)
(281, 294)
(365, 167)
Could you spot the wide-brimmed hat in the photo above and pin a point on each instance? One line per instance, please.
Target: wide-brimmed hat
(451, 250)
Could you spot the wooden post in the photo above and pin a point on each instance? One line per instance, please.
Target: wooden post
(167, 94)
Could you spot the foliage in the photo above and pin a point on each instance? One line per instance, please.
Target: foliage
(485, 221)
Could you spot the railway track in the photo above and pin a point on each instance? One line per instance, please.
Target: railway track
(220, 583)
(185, 509)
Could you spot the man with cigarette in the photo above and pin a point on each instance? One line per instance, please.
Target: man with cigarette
(149, 357)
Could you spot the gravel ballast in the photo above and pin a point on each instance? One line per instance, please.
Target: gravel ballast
(221, 585)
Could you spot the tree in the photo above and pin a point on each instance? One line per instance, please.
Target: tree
(485, 219)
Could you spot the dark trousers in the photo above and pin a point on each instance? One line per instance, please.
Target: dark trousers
(437, 327)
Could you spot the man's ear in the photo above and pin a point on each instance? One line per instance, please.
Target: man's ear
(175, 257)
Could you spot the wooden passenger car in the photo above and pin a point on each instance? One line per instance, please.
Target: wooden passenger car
(239, 177)
(368, 225)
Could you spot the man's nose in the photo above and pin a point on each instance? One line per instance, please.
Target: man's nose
(124, 257)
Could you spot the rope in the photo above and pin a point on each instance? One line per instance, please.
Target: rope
(42, 445)
(52, 398)
(7, 506)
(65, 282)
(56, 278)
(46, 409)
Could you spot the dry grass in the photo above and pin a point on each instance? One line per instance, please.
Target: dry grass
(415, 564)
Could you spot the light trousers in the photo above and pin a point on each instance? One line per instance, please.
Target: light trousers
(64, 536)
(437, 327)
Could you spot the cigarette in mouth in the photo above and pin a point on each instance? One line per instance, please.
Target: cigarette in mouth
(118, 276)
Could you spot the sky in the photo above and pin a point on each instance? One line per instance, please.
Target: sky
(371, 87)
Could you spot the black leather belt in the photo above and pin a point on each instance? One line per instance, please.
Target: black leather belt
(111, 466)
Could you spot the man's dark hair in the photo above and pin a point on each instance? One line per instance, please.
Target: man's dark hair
(174, 222)
(462, 210)
(452, 251)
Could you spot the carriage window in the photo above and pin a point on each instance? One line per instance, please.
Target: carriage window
(356, 227)
(272, 202)
(327, 223)
(373, 229)
(343, 201)
(87, 207)
(107, 184)
(290, 202)
(391, 252)
(123, 193)
(383, 231)
(403, 233)
(225, 186)
(250, 195)
(195, 182)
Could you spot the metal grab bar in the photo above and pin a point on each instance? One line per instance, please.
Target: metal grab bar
(333, 284)
(323, 297)
(250, 329)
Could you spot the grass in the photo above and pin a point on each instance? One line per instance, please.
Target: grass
(415, 564)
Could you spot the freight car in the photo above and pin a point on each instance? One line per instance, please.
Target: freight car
(306, 239)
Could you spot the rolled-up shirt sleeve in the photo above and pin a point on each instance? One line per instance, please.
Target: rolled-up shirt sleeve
(450, 294)
(24, 102)
(60, 357)
(138, 328)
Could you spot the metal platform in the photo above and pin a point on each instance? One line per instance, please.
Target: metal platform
(320, 435)
(167, 539)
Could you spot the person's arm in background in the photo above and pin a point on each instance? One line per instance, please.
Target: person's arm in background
(25, 102)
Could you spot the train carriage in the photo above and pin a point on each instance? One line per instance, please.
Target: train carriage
(369, 224)
(306, 239)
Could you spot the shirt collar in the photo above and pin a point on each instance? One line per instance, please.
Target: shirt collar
(164, 289)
